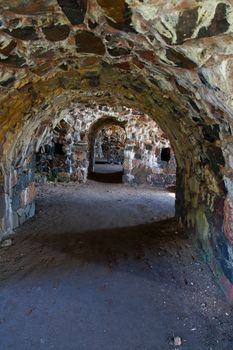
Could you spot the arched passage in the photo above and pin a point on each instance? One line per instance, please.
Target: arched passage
(110, 144)
(145, 152)
(140, 57)
(95, 128)
(199, 179)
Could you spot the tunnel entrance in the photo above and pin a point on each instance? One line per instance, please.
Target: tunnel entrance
(162, 70)
(106, 146)
(135, 156)
(108, 154)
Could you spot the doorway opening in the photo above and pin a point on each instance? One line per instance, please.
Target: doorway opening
(109, 154)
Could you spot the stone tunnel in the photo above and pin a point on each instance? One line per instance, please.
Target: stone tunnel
(141, 147)
(160, 70)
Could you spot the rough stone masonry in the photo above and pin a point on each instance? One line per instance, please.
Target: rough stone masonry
(68, 151)
(171, 60)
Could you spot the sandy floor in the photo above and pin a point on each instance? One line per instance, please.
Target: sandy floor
(95, 271)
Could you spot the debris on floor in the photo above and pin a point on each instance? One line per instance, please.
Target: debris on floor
(6, 243)
(177, 341)
(90, 269)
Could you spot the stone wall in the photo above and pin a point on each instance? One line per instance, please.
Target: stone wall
(17, 194)
(171, 60)
(143, 162)
(23, 193)
(110, 145)
(65, 156)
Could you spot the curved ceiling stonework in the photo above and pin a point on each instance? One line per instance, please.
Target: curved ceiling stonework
(169, 59)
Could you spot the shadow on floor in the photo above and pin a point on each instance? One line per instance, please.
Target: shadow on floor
(115, 177)
(105, 247)
(148, 276)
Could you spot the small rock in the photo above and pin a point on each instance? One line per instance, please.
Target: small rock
(177, 341)
(6, 243)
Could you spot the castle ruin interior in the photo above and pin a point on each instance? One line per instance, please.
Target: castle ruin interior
(116, 174)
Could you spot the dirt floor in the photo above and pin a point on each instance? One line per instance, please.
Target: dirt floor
(95, 271)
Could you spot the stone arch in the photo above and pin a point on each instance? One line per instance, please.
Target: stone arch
(93, 130)
(110, 144)
(195, 131)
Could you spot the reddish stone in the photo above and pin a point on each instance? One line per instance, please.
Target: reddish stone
(24, 33)
(147, 55)
(186, 24)
(47, 55)
(14, 178)
(56, 32)
(87, 42)
(169, 170)
(31, 192)
(119, 12)
(180, 59)
(115, 11)
(7, 49)
(138, 63)
(28, 195)
(227, 287)
(123, 65)
(13, 61)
